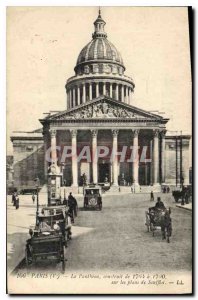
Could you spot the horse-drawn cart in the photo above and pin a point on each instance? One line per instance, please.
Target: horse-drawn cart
(159, 219)
(48, 237)
(184, 195)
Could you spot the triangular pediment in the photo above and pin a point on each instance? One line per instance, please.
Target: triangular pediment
(104, 108)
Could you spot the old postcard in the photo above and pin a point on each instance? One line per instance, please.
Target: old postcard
(99, 143)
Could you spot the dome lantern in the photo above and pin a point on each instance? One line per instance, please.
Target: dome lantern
(99, 27)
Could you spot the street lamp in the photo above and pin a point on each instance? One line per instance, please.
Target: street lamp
(37, 184)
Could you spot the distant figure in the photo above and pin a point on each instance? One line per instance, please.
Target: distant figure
(152, 196)
(72, 203)
(17, 202)
(64, 182)
(84, 179)
(105, 179)
(14, 195)
(75, 205)
(132, 189)
(33, 198)
(168, 189)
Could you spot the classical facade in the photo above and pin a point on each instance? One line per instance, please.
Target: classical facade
(100, 113)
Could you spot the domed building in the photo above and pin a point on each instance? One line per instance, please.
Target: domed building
(101, 137)
(99, 71)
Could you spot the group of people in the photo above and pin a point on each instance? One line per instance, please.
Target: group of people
(165, 189)
(15, 200)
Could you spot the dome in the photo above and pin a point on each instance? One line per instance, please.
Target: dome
(99, 49)
(99, 71)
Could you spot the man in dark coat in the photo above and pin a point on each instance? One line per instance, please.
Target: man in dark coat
(14, 196)
(73, 204)
(159, 204)
(17, 202)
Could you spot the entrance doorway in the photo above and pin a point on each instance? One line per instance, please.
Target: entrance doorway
(103, 172)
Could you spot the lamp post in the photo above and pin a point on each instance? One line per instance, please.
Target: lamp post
(37, 184)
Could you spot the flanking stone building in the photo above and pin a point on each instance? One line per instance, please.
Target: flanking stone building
(100, 112)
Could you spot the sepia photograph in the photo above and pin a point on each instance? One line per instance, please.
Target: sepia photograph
(99, 150)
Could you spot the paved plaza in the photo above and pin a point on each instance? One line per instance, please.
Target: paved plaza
(112, 239)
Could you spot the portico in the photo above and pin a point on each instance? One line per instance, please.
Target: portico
(120, 144)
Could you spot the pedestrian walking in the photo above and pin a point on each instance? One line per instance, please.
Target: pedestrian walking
(17, 202)
(152, 196)
(33, 198)
(14, 195)
(72, 203)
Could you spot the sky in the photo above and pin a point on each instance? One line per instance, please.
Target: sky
(43, 44)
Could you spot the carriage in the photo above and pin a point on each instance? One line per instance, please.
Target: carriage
(159, 219)
(185, 195)
(48, 237)
(92, 197)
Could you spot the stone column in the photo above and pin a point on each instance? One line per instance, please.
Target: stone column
(84, 93)
(122, 93)
(116, 92)
(163, 133)
(128, 95)
(53, 146)
(111, 90)
(70, 98)
(94, 156)
(74, 158)
(73, 98)
(115, 160)
(46, 163)
(151, 163)
(104, 88)
(78, 91)
(67, 100)
(135, 163)
(90, 91)
(184, 159)
(97, 89)
(156, 157)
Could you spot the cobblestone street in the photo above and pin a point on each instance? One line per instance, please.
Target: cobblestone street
(116, 237)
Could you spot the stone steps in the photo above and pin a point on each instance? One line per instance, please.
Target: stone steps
(119, 189)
